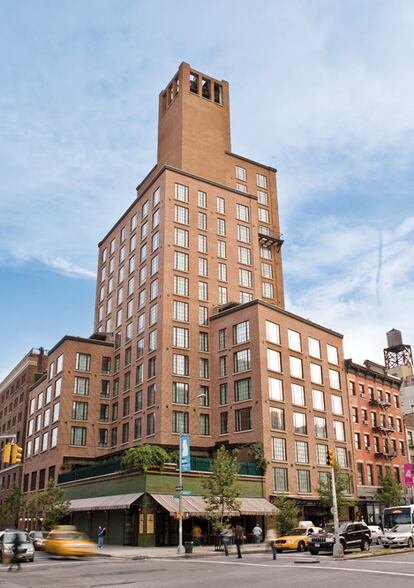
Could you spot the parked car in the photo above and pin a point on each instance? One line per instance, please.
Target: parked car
(399, 536)
(66, 541)
(376, 533)
(38, 538)
(6, 545)
(351, 535)
(296, 539)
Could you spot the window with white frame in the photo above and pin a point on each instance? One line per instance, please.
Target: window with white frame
(181, 285)
(272, 332)
(241, 173)
(202, 316)
(152, 341)
(202, 267)
(341, 457)
(143, 253)
(241, 187)
(180, 311)
(154, 264)
(181, 214)
(181, 237)
(133, 222)
(267, 290)
(274, 360)
(202, 199)
(202, 244)
(54, 437)
(202, 221)
(298, 395)
(277, 419)
(144, 233)
(339, 431)
(318, 399)
(242, 212)
(299, 423)
(155, 241)
(245, 297)
(220, 205)
(321, 454)
(181, 261)
(302, 452)
(203, 291)
(267, 270)
(316, 373)
(221, 227)
(153, 314)
(261, 181)
(222, 272)
(156, 219)
(296, 367)
(143, 275)
(294, 340)
(304, 483)
(241, 360)
(243, 234)
(180, 364)
(156, 196)
(83, 362)
(337, 404)
(180, 393)
(334, 380)
(153, 289)
(145, 208)
(262, 197)
(314, 347)
(278, 449)
(280, 479)
(245, 278)
(263, 215)
(222, 295)
(332, 353)
(221, 249)
(181, 192)
(275, 389)
(244, 255)
(265, 252)
(241, 333)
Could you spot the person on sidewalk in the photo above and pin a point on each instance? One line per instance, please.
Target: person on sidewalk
(271, 541)
(226, 536)
(16, 556)
(101, 536)
(257, 533)
(238, 538)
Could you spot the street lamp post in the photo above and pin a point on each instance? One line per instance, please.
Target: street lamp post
(337, 548)
(180, 548)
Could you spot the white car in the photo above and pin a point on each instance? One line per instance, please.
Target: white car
(376, 533)
(399, 536)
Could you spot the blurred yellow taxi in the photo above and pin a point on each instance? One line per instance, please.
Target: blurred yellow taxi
(296, 539)
(68, 542)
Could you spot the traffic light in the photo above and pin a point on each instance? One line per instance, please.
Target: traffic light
(7, 452)
(16, 453)
(330, 457)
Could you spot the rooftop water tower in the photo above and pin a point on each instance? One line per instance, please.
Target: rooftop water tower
(397, 353)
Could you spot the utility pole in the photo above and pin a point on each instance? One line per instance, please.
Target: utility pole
(337, 548)
(180, 548)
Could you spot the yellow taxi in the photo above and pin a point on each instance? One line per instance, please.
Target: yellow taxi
(66, 541)
(296, 539)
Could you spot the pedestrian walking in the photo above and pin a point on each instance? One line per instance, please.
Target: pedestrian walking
(271, 541)
(101, 536)
(238, 538)
(257, 533)
(226, 537)
(17, 553)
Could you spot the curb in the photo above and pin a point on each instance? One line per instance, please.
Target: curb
(382, 553)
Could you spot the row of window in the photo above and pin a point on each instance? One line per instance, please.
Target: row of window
(369, 390)
(382, 420)
(279, 452)
(42, 443)
(300, 424)
(366, 473)
(389, 446)
(303, 480)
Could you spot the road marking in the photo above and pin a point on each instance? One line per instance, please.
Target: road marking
(302, 566)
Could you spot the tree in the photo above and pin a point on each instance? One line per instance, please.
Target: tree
(257, 451)
(145, 456)
(390, 492)
(342, 488)
(287, 515)
(11, 507)
(222, 488)
(50, 505)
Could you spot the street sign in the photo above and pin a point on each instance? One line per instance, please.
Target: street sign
(185, 453)
(187, 492)
(178, 488)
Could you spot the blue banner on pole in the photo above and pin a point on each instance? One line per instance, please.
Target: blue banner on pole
(185, 453)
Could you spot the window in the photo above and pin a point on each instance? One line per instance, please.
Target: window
(179, 422)
(241, 187)
(223, 366)
(332, 353)
(298, 395)
(339, 431)
(153, 314)
(244, 255)
(202, 243)
(241, 360)
(265, 252)
(125, 433)
(203, 341)
(222, 295)
(299, 423)
(181, 285)
(242, 390)
(203, 291)
(334, 380)
(80, 411)
(360, 473)
(318, 398)
(294, 340)
(278, 449)
(104, 413)
(337, 405)
(204, 424)
(223, 394)
(261, 181)
(241, 173)
(180, 337)
(150, 424)
(280, 479)
(296, 368)
(202, 199)
(241, 333)
(154, 265)
(262, 197)
(78, 436)
(321, 454)
(221, 227)
(59, 364)
(243, 234)
(202, 316)
(204, 396)
(275, 389)
(181, 261)
(302, 452)
(181, 238)
(243, 419)
(138, 400)
(263, 215)
(272, 332)
(83, 362)
(224, 423)
(354, 411)
(181, 214)
(151, 367)
(267, 271)
(267, 290)
(54, 437)
(274, 360)
(203, 267)
(304, 484)
(102, 438)
(203, 368)
(316, 373)
(245, 278)
(56, 412)
(221, 249)
(180, 311)
(222, 272)
(242, 213)
(357, 440)
(180, 393)
(181, 192)
(180, 364)
(277, 419)
(202, 221)
(81, 386)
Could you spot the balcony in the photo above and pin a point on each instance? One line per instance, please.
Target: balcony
(271, 240)
(382, 429)
(383, 404)
(386, 454)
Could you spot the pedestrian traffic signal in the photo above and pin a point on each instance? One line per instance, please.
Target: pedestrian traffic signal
(16, 453)
(330, 457)
(7, 452)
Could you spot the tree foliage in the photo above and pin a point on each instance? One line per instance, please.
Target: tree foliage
(287, 515)
(49, 506)
(390, 492)
(222, 488)
(342, 487)
(145, 456)
(11, 506)
(257, 451)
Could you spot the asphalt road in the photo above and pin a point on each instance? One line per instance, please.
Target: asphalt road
(396, 570)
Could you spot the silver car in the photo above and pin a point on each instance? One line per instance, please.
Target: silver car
(399, 536)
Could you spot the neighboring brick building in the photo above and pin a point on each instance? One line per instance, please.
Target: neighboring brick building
(68, 410)
(14, 394)
(379, 440)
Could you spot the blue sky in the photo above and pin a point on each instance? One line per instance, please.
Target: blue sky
(321, 90)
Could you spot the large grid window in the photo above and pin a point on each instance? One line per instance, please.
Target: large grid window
(180, 337)
(81, 386)
(304, 484)
(181, 261)
(222, 295)
(267, 290)
(80, 411)
(179, 422)
(337, 404)
(299, 423)
(204, 424)
(241, 360)
(243, 234)
(202, 244)
(341, 457)
(321, 454)
(261, 181)
(180, 364)
(203, 291)
(279, 449)
(241, 173)
(83, 362)
(222, 272)
(242, 390)
(296, 367)
(223, 394)
(320, 427)
(242, 213)
(221, 227)
(267, 270)
(243, 419)
(220, 205)
(202, 199)
(181, 237)
(277, 419)
(275, 389)
(221, 249)
(203, 267)
(78, 436)
(181, 285)
(262, 197)
(280, 479)
(298, 395)
(202, 221)
(180, 311)
(180, 393)
(302, 452)
(263, 215)
(274, 360)
(272, 332)
(244, 255)
(181, 192)
(245, 278)
(241, 333)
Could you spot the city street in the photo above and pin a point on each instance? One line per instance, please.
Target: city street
(396, 569)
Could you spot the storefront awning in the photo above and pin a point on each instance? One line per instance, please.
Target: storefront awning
(196, 505)
(116, 502)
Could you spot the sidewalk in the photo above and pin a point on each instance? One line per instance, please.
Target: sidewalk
(133, 552)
